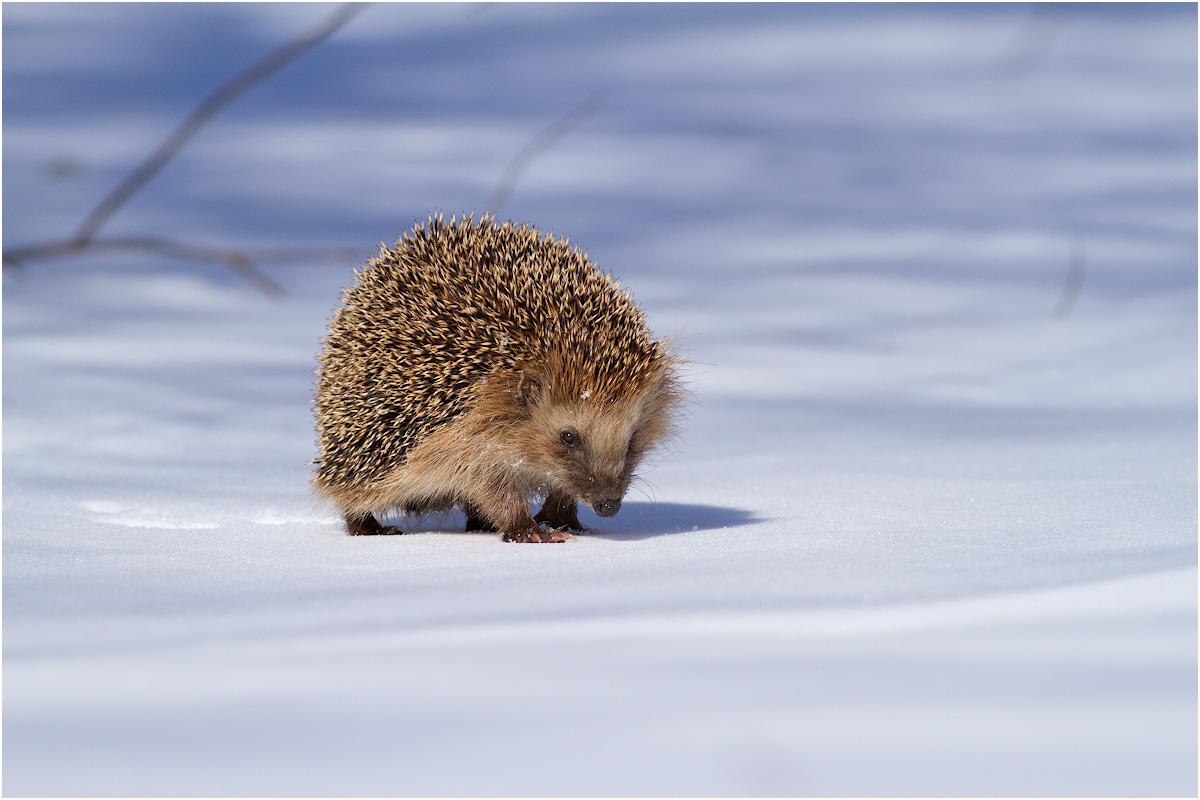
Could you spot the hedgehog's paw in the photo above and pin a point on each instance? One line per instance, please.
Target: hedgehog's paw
(558, 512)
(571, 530)
(537, 536)
(382, 530)
(368, 526)
(388, 530)
(559, 524)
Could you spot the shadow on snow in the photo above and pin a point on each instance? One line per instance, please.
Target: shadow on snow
(636, 520)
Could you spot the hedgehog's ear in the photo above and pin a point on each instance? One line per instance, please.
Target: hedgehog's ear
(529, 389)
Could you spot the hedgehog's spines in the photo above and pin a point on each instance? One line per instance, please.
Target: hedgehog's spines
(452, 303)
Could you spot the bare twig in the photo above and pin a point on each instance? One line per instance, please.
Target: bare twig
(240, 261)
(222, 97)
(1033, 40)
(542, 141)
(1073, 285)
(244, 262)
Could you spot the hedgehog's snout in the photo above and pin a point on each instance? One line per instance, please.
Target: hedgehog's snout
(607, 506)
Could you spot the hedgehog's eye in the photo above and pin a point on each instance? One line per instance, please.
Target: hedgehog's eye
(569, 437)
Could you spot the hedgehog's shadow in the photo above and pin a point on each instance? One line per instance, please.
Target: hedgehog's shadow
(637, 520)
(642, 520)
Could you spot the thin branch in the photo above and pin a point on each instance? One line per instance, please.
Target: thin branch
(1033, 40)
(1073, 285)
(542, 141)
(244, 262)
(240, 261)
(203, 113)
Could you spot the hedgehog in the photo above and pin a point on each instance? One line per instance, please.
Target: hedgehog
(480, 365)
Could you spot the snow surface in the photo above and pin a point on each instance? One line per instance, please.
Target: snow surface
(920, 534)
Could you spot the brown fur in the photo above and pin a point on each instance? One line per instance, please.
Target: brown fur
(457, 361)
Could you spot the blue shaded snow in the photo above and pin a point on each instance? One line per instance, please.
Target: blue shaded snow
(930, 527)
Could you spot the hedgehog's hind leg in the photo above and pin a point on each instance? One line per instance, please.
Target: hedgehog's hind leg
(559, 512)
(476, 521)
(367, 525)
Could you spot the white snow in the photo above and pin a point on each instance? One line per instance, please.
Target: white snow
(918, 535)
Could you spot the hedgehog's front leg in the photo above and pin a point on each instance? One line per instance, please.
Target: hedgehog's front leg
(367, 525)
(559, 512)
(508, 510)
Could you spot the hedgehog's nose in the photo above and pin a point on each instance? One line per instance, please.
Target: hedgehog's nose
(606, 506)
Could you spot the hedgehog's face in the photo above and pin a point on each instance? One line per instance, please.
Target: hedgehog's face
(591, 454)
(587, 449)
